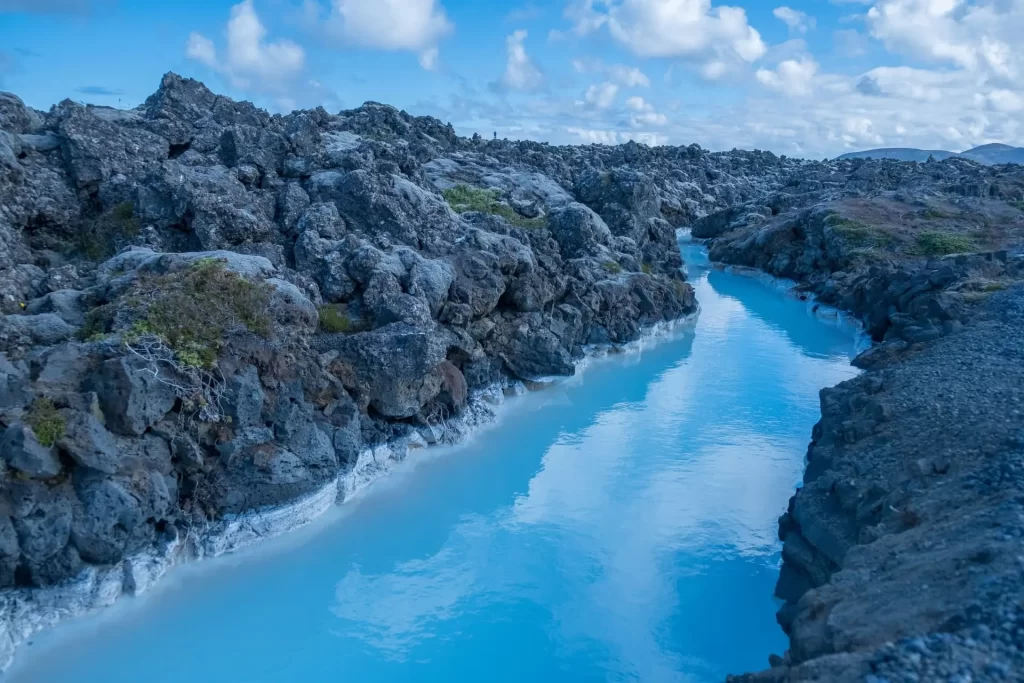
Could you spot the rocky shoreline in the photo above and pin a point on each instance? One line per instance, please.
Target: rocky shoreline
(901, 557)
(214, 312)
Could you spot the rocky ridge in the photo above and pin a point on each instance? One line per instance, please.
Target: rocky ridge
(217, 321)
(901, 558)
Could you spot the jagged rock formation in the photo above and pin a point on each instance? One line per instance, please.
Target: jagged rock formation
(210, 311)
(901, 557)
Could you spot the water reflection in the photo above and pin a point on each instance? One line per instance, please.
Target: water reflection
(619, 527)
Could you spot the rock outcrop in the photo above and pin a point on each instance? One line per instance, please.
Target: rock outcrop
(211, 311)
(901, 553)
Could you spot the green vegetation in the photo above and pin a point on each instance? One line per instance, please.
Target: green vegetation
(334, 318)
(943, 243)
(97, 323)
(109, 232)
(857, 234)
(612, 267)
(647, 268)
(194, 309)
(45, 421)
(1018, 204)
(463, 198)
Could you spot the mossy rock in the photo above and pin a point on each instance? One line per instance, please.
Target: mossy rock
(335, 319)
(194, 310)
(463, 198)
(944, 243)
(47, 424)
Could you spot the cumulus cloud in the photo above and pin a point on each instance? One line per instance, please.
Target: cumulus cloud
(791, 77)
(248, 61)
(601, 95)
(628, 77)
(797, 21)
(972, 35)
(614, 137)
(520, 71)
(715, 38)
(399, 25)
(644, 113)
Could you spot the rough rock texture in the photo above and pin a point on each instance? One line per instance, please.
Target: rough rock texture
(902, 550)
(901, 558)
(210, 311)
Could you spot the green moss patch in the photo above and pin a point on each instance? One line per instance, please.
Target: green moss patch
(193, 310)
(612, 267)
(45, 421)
(463, 198)
(858, 235)
(943, 243)
(335, 319)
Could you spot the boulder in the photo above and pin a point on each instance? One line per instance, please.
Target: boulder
(42, 519)
(89, 443)
(394, 368)
(114, 511)
(578, 230)
(132, 395)
(20, 449)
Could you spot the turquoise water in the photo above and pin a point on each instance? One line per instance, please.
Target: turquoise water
(619, 526)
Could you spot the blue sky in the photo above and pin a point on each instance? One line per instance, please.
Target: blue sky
(800, 77)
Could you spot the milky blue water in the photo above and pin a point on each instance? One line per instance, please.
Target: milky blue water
(620, 526)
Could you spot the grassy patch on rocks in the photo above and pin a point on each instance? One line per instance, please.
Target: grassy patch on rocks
(45, 421)
(463, 198)
(193, 310)
(612, 267)
(335, 319)
(932, 243)
(859, 235)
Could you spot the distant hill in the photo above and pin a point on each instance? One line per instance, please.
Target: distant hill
(986, 154)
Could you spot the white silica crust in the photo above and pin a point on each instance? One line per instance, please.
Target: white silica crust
(25, 612)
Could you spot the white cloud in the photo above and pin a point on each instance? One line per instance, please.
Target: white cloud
(690, 29)
(614, 137)
(429, 58)
(1005, 101)
(797, 21)
(628, 77)
(520, 71)
(399, 25)
(971, 35)
(792, 77)
(601, 95)
(248, 61)
(644, 114)
(636, 104)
